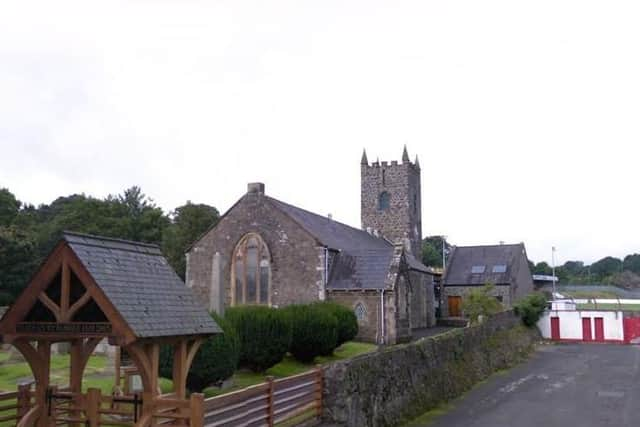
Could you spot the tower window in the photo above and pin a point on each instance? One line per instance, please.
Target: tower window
(384, 181)
(383, 201)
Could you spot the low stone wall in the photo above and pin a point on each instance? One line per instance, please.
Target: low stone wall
(398, 383)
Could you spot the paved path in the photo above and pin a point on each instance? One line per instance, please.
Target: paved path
(578, 385)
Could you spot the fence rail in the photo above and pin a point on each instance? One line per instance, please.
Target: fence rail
(269, 403)
(15, 405)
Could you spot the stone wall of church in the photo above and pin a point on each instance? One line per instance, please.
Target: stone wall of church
(297, 264)
(369, 324)
(422, 300)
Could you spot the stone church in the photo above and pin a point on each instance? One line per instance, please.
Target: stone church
(266, 251)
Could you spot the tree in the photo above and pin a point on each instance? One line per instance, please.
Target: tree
(188, 222)
(542, 268)
(632, 263)
(574, 268)
(432, 250)
(9, 207)
(18, 261)
(481, 302)
(530, 308)
(606, 267)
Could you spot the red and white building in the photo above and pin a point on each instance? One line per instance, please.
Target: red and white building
(564, 322)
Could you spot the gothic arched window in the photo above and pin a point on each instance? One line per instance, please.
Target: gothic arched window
(250, 271)
(383, 201)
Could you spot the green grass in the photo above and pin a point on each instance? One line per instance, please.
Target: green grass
(290, 366)
(96, 374)
(625, 307)
(589, 294)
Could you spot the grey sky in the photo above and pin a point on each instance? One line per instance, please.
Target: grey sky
(524, 114)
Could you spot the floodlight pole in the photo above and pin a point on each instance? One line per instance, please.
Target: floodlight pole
(553, 270)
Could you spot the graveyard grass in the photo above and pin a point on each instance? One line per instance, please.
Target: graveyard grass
(96, 375)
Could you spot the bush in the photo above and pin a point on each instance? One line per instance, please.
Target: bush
(481, 302)
(347, 321)
(215, 361)
(530, 308)
(314, 331)
(265, 334)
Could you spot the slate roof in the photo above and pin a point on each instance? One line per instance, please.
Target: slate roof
(363, 260)
(463, 258)
(331, 233)
(142, 286)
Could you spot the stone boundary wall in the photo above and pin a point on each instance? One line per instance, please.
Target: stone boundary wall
(398, 383)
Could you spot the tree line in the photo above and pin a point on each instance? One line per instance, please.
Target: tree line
(610, 270)
(28, 233)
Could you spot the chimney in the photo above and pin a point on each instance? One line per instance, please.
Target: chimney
(255, 188)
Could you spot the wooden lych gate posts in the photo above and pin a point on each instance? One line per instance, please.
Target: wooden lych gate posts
(93, 288)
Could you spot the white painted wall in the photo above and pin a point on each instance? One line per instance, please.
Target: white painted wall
(571, 324)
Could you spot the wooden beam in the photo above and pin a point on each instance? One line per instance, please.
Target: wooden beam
(44, 298)
(20, 308)
(77, 306)
(65, 290)
(180, 369)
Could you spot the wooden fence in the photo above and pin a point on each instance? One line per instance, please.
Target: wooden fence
(297, 397)
(269, 403)
(15, 405)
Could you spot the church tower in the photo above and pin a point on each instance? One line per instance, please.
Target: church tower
(390, 200)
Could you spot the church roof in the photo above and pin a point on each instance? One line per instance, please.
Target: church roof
(331, 233)
(477, 265)
(142, 286)
(363, 260)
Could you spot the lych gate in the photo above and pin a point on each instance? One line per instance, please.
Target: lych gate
(91, 288)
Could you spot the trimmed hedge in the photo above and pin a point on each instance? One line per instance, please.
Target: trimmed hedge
(347, 321)
(264, 333)
(314, 331)
(215, 361)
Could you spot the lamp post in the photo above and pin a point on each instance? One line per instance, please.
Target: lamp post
(553, 270)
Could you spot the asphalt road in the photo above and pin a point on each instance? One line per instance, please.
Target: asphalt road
(577, 385)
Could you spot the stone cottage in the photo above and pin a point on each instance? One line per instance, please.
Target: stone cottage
(265, 251)
(470, 267)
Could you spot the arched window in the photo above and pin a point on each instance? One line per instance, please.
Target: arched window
(360, 312)
(383, 201)
(251, 271)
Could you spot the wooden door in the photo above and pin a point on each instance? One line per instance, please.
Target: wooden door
(555, 328)
(586, 329)
(599, 323)
(455, 303)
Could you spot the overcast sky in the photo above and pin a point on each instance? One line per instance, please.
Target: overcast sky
(525, 115)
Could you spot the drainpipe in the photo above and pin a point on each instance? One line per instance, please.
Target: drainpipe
(323, 292)
(382, 316)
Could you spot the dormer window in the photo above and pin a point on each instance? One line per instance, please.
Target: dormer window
(383, 201)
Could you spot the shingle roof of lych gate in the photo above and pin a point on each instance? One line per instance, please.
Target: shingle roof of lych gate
(363, 260)
(142, 286)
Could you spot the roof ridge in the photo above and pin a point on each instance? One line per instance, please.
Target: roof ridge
(497, 245)
(327, 219)
(111, 239)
